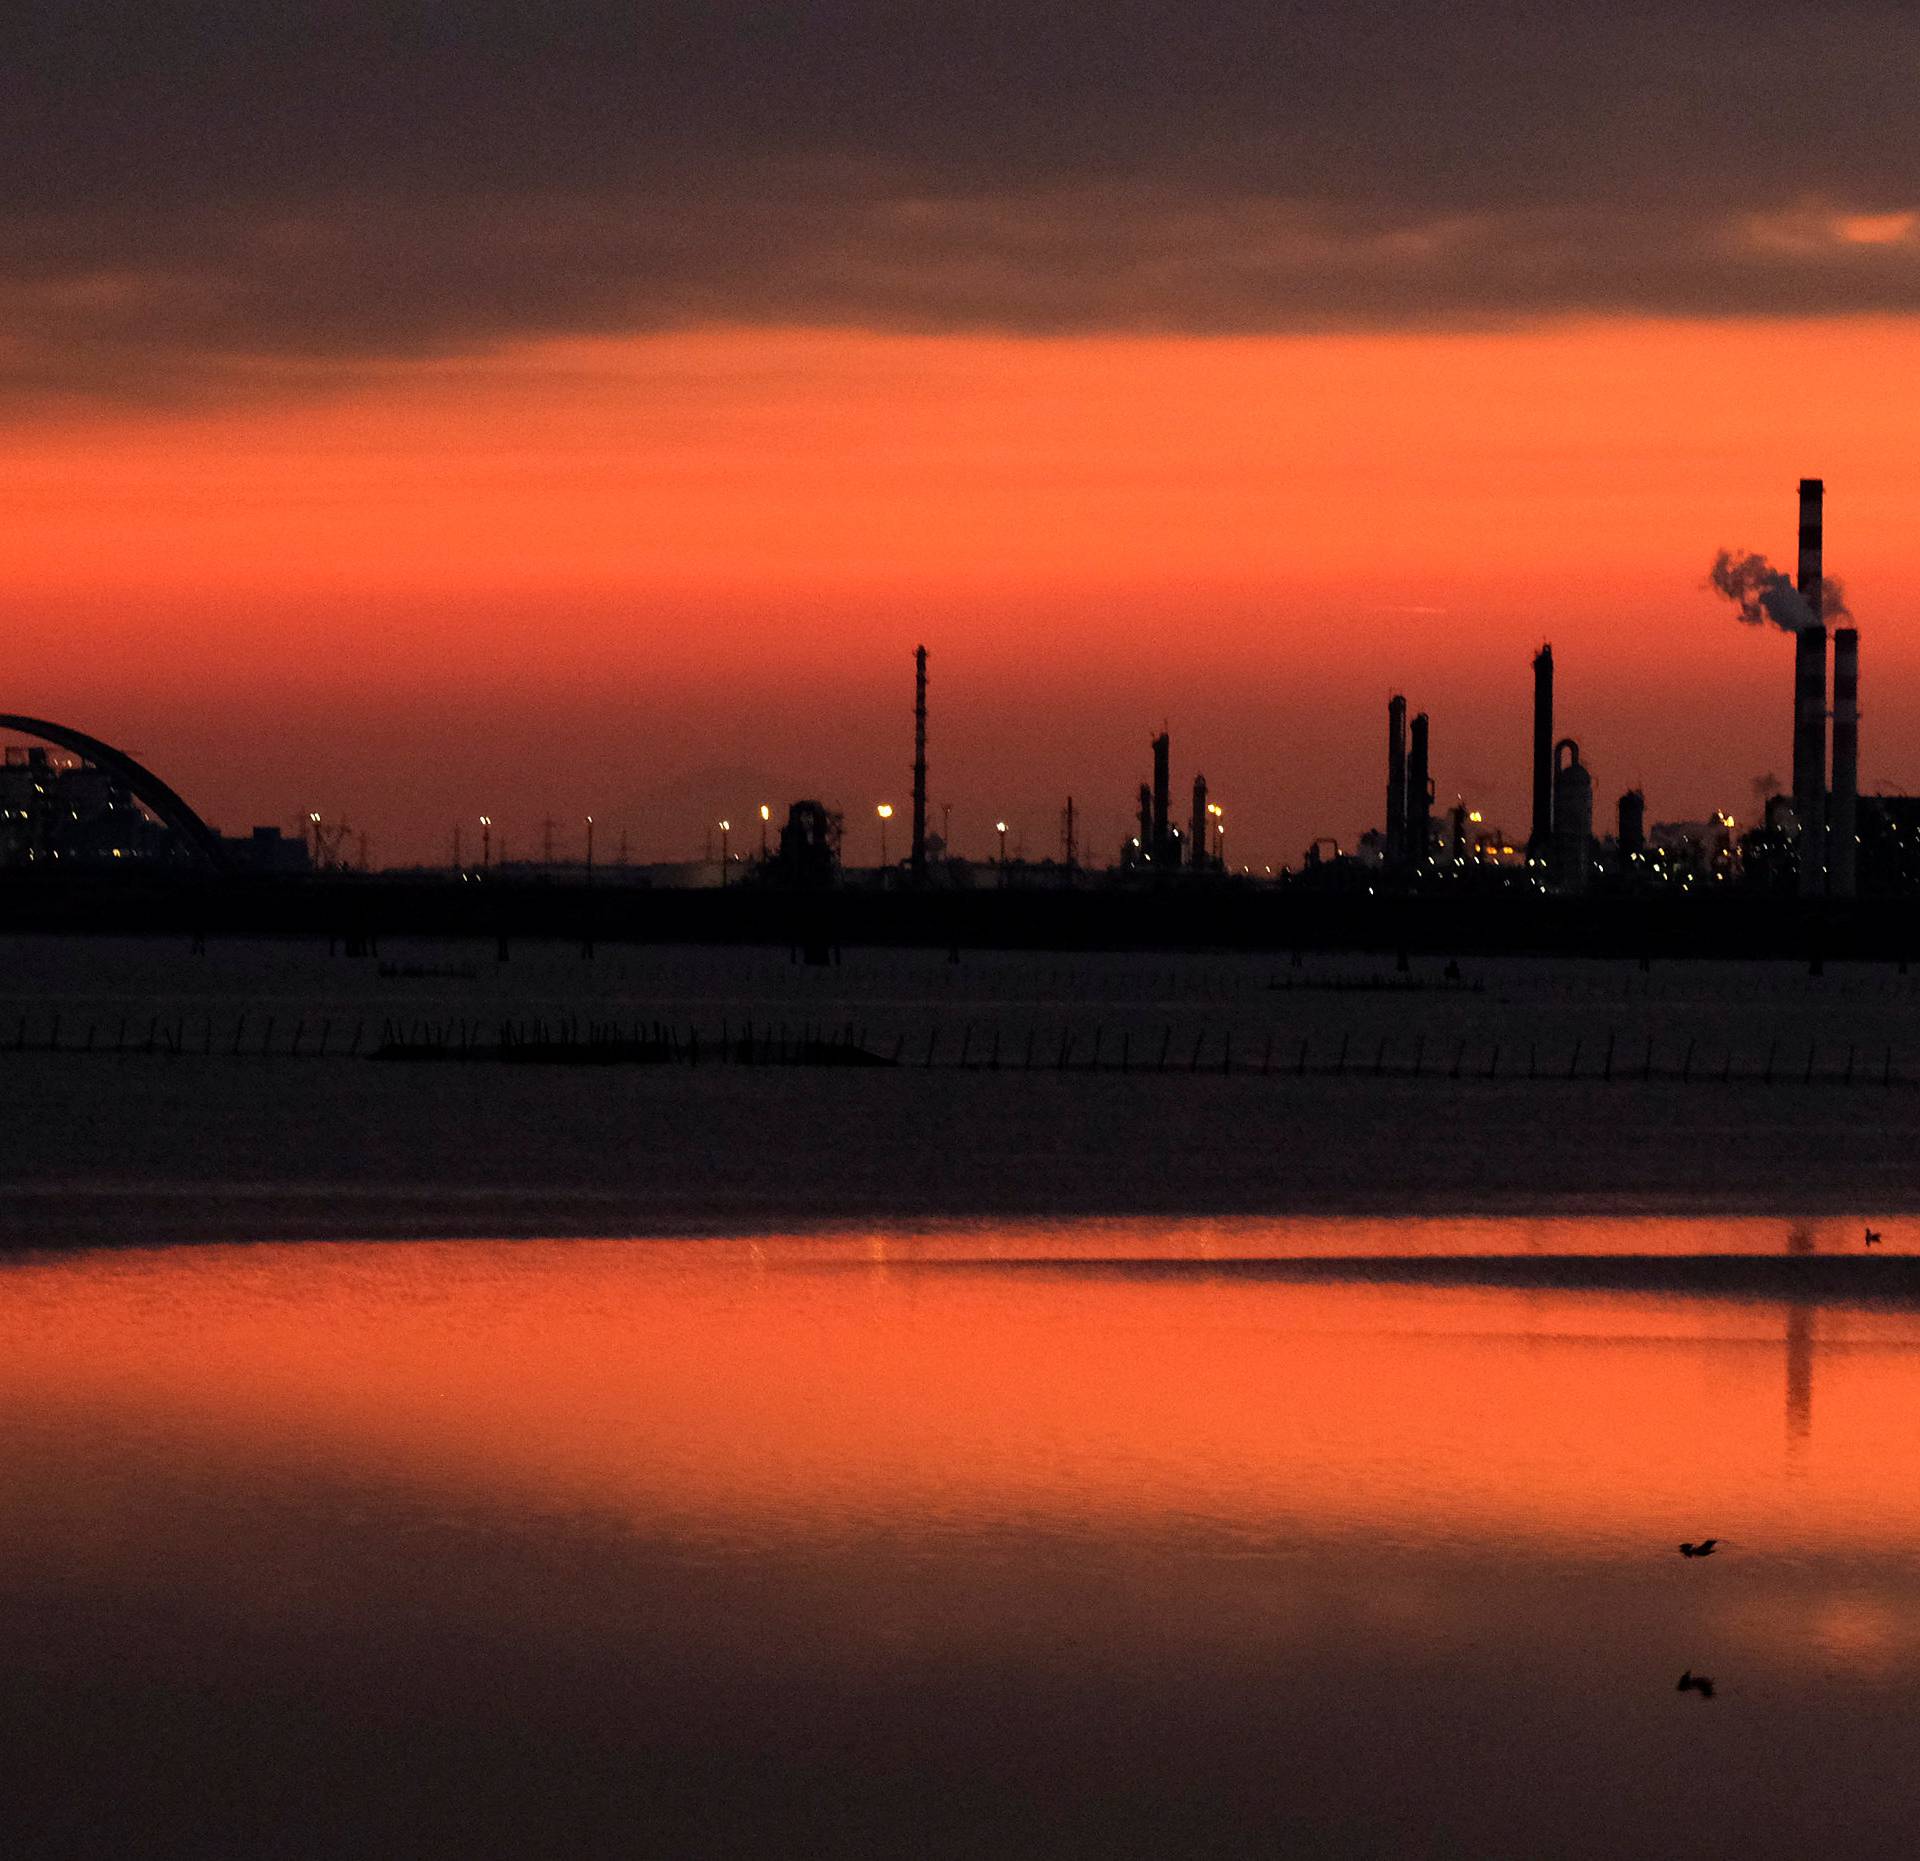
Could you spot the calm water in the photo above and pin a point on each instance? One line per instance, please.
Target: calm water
(1089, 1540)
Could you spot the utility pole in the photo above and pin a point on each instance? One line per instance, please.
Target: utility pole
(1068, 835)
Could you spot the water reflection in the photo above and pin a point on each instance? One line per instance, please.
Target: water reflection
(1330, 1538)
(1799, 1371)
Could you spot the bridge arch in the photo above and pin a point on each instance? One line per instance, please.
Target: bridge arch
(142, 784)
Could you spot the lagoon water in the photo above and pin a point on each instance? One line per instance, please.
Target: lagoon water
(1328, 1537)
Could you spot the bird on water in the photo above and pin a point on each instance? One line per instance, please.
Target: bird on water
(1690, 1682)
(1703, 1549)
(1873, 1237)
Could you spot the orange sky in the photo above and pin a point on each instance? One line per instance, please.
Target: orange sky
(668, 577)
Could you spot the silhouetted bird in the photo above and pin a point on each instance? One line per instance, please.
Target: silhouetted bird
(1703, 1549)
(1873, 1237)
(1690, 1682)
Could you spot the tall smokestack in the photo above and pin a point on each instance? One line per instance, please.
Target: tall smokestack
(1162, 800)
(1419, 795)
(1197, 853)
(1843, 826)
(919, 765)
(1810, 699)
(1396, 780)
(1146, 820)
(1540, 840)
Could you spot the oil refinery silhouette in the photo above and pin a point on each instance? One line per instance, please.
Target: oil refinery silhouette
(91, 839)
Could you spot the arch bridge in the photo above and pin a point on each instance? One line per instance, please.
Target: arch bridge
(141, 783)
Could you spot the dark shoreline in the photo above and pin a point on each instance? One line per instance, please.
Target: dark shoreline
(53, 1218)
(1032, 912)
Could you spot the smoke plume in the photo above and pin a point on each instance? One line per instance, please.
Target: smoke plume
(1763, 593)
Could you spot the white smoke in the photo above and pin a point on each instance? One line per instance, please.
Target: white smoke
(1762, 593)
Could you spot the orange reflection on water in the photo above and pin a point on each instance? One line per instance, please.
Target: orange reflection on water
(822, 1387)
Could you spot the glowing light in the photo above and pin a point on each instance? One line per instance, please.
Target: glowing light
(885, 810)
(766, 813)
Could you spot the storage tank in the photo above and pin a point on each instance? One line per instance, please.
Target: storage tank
(1633, 823)
(1843, 812)
(1572, 818)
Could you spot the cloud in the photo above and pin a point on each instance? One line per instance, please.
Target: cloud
(215, 198)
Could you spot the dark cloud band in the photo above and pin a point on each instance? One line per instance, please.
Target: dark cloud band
(198, 194)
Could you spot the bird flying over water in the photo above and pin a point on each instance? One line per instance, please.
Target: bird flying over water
(1703, 1549)
(1873, 1237)
(1690, 1682)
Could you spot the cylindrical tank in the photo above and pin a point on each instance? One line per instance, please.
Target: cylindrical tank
(1843, 815)
(1633, 823)
(1572, 818)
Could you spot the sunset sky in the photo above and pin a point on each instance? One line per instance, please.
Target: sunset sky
(417, 412)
